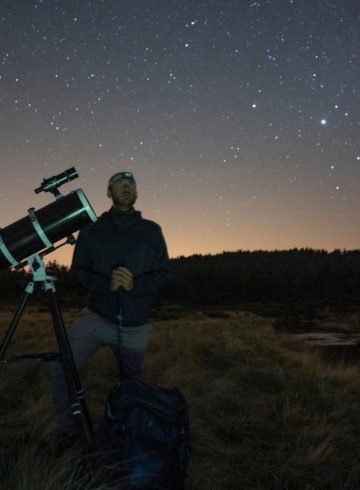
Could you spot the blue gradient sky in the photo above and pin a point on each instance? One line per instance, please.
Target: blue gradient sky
(240, 119)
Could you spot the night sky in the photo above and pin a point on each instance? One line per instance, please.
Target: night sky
(240, 119)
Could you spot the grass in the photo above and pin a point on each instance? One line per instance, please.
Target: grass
(266, 412)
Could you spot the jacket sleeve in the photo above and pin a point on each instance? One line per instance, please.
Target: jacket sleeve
(159, 274)
(82, 269)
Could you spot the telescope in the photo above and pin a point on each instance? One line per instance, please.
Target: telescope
(25, 242)
(41, 229)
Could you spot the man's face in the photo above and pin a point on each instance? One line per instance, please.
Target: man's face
(123, 193)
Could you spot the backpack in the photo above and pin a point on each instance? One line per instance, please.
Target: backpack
(143, 438)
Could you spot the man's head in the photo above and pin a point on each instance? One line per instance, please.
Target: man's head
(122, 190)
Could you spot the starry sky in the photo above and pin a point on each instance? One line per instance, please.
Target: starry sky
(240, 119)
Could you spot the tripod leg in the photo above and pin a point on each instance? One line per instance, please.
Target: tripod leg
(11, 330)
(76, 394)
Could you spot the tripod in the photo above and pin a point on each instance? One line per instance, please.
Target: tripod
(76, 394)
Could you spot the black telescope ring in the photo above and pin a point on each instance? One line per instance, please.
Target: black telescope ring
(38, 228)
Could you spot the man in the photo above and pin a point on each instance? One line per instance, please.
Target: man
(122, 261)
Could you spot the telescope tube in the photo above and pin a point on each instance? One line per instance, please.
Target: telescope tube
(41, 229)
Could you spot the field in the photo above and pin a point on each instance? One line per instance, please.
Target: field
(267, 411)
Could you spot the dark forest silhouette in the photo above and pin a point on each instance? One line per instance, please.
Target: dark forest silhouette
(236, 278)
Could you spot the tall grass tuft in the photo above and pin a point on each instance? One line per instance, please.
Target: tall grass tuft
(266, 412)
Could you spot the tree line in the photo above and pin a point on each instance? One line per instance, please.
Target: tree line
(235, 278)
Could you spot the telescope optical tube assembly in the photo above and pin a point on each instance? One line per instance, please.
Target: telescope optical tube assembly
(43, 228)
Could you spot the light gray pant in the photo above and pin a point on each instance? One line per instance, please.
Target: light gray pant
(89, 333)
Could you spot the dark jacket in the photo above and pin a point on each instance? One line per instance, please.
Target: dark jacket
(121, 239)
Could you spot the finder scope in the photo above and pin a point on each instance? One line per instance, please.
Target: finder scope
(52, 183)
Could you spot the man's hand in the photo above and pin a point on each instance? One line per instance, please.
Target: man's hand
(121, 277)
